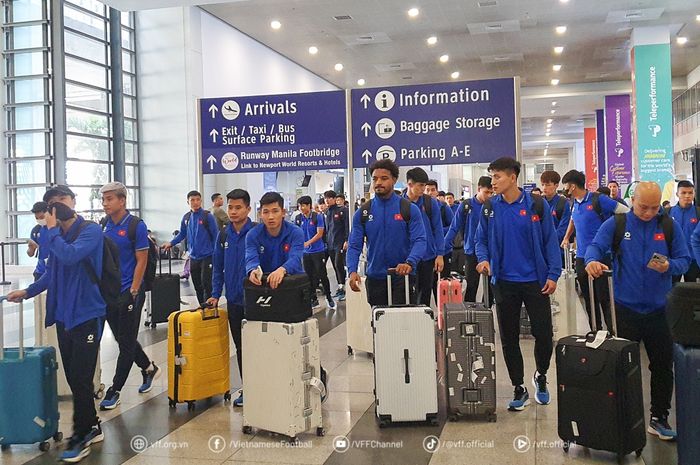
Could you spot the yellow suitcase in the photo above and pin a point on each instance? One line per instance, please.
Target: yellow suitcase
(198, 356)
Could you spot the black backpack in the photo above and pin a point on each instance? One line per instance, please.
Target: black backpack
(205, 221)
(561, 205)
(110, 283)
(443, 212)
(150, 274)
(664, 220)
(404, 208)
(314, 218)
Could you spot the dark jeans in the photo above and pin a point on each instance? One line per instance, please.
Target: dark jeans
(652, 330)
(200, 271)
(125, 320)
(315, 267)
(377, 293)
(425, 277)
(235, 316)
(79, 349)
(510, 297)
(337, 257)
(601, 294)
(690, 276)
(473, 280)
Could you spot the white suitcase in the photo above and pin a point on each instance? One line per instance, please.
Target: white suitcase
(47, 337)
(566, 304)
(281, 377)
(405, 363)
(358, 320)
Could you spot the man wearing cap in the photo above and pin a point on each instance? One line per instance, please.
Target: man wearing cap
(74, 303)
(37, 239)
(130, 234)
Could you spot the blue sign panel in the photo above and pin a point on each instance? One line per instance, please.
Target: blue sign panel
(434, 124)
(288, 132)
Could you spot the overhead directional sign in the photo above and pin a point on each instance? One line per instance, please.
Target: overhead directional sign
(434, 124)
(288, 132)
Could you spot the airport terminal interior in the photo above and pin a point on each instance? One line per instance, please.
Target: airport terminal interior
(300, 97)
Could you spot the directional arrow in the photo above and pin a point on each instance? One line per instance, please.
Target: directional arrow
(366, 128)
(366, 155)
(213, 109)
(365, 100)
(211, 160)
(213, 135)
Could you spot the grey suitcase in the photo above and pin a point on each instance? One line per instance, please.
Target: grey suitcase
(470, 349)
(405, 365)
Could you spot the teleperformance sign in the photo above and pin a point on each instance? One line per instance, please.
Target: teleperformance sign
(288, 132)
(436, 124)
(618, 138)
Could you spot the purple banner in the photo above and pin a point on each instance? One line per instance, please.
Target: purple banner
(619, 138)
(600, 138)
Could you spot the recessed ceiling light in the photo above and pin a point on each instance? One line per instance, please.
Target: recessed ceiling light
(432, 40)
(554, 104)
(545, 152)
(697, 18)
(338, 66)
(681, 40)
(558, 50)
(549, 125)
(555, 82)
(552, 112)
(413, 12)
(455, 75)
(444, 58)
(556, 68)
(275, 24)
(360, 82)
(563, 1)
(313, 50)
(549, 120)
(560, 29)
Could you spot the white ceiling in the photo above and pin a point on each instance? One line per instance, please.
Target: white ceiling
(135, 5)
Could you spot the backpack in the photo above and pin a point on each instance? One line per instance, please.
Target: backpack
(205, 221)
(537, 207)
(224, 235)
(314, 218)
(404, 208)
(110, 283)
(149, 274)
(595, 201)
(561, 205)
(664, 220)
(443, 212)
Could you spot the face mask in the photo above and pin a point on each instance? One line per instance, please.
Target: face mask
(62, 212)
(41, 222)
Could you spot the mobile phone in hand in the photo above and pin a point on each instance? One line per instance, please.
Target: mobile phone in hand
(658, 259)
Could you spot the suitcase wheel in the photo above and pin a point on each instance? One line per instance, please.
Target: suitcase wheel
(247, 429)
(190, 406)
(227, 396)
(293, 440)
(434, 421)
(566, 446)
(453, 417)
(153, 326)
(350, 350)
(492, 418)
(44, 446)
(4, 447)
(320, 432)
(147, 324)
(172, 403)
(58, 437)
(100, 393)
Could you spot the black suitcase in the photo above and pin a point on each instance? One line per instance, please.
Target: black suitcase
(599, 387)
(289, 303)
(686, 362)
(165, 295)
(683, 313)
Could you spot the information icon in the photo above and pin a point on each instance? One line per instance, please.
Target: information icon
(384, 101)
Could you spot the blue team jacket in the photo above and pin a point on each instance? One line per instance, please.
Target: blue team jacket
(687, 218)
(287, 249)
(695, 243)
(229, 263)
(434, 232)
(467, 223)
(71, 298)
(200, 239)
(390, 240)
(637, 286)
(560, 224)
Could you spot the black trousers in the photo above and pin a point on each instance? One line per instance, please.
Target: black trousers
(458, 261)
(652, 330)
(235, 317)
(601, 294)
(473, 280)
(425, 277)
(510, 297)
(690, 276)
(337, 257)
(124, 321)
(200, 271)
(377, 292)
(315, 267)
(79, 349)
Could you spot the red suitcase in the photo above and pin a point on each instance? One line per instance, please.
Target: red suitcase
(449, 292)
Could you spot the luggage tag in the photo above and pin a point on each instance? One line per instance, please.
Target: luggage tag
(600, 337)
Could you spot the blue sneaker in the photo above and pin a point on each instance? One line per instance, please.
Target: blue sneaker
(95, 435)
(661, 428)
(239, 401)
(76, 450)
(111, 400)
(520, 399)
(541, 392)
(148, 377)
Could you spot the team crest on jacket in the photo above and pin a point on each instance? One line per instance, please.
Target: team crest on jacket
(693, 220)
(262, 249)
(589, 207)
(398, 217)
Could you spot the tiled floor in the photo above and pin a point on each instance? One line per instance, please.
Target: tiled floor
(143, 431)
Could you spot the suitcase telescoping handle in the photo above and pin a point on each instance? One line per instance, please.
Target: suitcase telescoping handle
(485, 281)
(389, 272)
(591, 297)
(2, 328)
(170, 261)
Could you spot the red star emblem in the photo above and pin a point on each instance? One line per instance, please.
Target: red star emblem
(286, 247)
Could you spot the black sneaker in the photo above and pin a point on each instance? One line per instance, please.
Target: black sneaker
(521, 399)
(148, 377)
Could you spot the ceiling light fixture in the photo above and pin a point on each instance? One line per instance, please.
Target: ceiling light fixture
(313, 50)
(275, 24)
(554, 104)
(697, 18)
(549, 120)
(555, 82)
(338, 66)
(558, 50)
(360, 82)
(563, 1)
(552, 112)
(560, 29)
(432, 40)
(413, 12)
(681, 40)
(556, 68)
(455, 75)
(444, 58)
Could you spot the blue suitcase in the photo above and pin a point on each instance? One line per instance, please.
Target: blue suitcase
(687, 366)
(29, 393)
